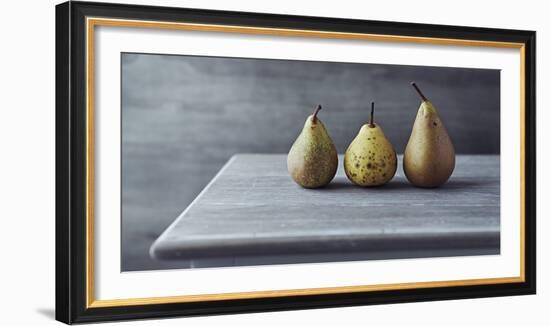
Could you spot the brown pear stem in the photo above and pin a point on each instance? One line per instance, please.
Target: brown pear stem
(419, 91)
(314, 117)
(371, 122)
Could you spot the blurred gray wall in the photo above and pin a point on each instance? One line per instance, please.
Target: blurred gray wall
(184, 116)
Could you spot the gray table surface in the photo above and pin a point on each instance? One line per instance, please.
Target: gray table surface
(252, 213)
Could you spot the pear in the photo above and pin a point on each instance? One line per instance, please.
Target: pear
(370, 159)
(429, 158)
(312, 160)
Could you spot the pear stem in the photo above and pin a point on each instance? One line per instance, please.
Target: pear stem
(314, 117)
(371, 122)
(419, 91)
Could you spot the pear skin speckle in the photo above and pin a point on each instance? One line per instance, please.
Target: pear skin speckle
(361, 162)
(312, 160)
(429, 157)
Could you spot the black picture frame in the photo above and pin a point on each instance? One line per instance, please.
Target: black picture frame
(71, 158)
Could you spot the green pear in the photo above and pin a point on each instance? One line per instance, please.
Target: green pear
(370, 159)
(312, 160)
(429, 158)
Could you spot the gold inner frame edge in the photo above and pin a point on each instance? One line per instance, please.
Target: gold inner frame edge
(91, 22)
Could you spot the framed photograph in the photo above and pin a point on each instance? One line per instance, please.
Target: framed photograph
(215, 162)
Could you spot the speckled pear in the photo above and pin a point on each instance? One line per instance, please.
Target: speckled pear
(429, 158)
(312, 160)
(370, 159)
